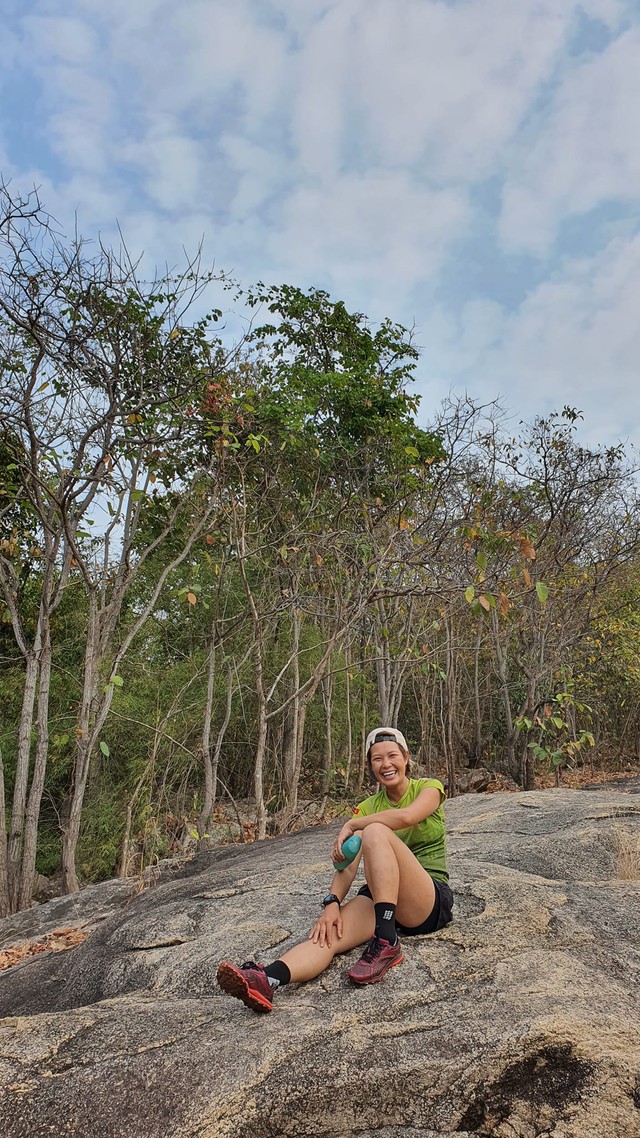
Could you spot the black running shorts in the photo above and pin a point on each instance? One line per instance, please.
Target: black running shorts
(440, 915)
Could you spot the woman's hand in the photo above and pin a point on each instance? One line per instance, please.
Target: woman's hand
(347, 831)
(329, 920)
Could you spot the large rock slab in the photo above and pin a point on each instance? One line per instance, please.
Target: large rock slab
(519, 1020)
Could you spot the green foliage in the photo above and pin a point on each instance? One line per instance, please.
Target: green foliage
(321, 385)
(49, 848)
(102, 831)
(559, 743)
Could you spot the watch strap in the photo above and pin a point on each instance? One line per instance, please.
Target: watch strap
(329, 899)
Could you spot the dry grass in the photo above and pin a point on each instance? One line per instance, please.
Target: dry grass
(628, 851)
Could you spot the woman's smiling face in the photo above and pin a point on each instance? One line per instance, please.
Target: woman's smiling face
(389, 766)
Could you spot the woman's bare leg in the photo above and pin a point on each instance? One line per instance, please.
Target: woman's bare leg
(307, 960)
(395, 875)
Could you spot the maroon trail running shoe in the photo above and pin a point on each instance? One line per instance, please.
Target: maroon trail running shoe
(376, 960)
(249, 984)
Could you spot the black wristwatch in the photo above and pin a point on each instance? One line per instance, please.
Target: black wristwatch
(329, 899)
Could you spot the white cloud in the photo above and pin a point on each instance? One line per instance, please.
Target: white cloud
(258, 172)
(448, 85)
(339, 142)
(587, 153)
(69, 40)
(574, 340)
(378, 233)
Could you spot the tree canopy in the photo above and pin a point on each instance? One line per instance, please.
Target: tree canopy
(221, 562)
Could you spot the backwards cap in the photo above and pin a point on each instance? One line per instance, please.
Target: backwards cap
(383, 735)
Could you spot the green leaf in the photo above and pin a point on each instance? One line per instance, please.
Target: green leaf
(481, 560)
(557, 722)
(542, 591)
(469, 593)
(117, 680)
(136, 495)
(104, 747)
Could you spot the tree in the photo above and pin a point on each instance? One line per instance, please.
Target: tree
(100, 380)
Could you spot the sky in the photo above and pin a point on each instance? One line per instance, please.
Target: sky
(469, 168)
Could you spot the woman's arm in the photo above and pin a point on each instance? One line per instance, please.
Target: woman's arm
(343, 878)
(425, 804)
(330, 918)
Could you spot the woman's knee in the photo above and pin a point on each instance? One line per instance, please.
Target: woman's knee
(375, 833)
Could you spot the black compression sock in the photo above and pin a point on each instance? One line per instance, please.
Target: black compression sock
(279, 972)
(386, 921)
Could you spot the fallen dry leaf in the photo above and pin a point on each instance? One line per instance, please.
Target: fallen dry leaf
(58, 941)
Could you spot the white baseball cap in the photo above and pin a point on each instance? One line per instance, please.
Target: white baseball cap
(385, 733)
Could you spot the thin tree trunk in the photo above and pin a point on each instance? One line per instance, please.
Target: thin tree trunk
(261, 740)
(211, 763)
(528, 762)
(207, 762)
(396, 702)
(383, 667)
(476, 698)
(362, 758)
(347, 676)
(450, 716)
(425, 706)
(4, 879)
(290, 730)
(383, 683)
(32, 815)
(125, 848)
(501, 657)
(261, 746)
(291, 804)
(327, 758)
(71, 831)
(16, 832)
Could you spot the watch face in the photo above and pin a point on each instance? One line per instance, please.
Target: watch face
(329, 899)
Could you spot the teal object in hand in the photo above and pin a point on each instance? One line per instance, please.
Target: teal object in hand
(350, 849)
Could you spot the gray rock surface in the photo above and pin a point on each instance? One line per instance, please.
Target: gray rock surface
(80, 910)
(519, 1020)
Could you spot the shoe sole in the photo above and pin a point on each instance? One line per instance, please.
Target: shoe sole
(231, 980)
(379, 977)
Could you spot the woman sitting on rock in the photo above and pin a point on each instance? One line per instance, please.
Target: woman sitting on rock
(403, 841)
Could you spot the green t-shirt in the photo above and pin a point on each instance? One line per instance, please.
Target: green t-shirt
(426, 839)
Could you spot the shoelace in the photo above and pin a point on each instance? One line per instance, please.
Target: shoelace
(373, 949)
